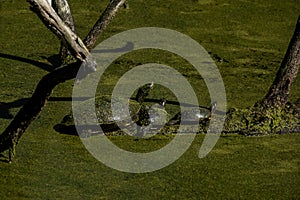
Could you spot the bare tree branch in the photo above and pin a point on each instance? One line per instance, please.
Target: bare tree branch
(50, 18)
(108, 14)
(63, 10)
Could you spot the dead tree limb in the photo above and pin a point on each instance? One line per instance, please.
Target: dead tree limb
(53, 22)
(63, 10)
(11, 135)
(278, 94)
(108, 14)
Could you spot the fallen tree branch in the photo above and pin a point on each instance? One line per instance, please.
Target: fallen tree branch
(53, 22)
(63, 10)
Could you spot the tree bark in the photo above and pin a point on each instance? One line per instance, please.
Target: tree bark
(108, 14)
(63, 10)
(11, 135)
(278, 94)
(53, 22)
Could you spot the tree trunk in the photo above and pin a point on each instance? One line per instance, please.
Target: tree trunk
(11, 135)
(278, 94)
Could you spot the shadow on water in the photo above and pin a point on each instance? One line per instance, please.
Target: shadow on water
(5, 107)
(3, 158)
(38, 64)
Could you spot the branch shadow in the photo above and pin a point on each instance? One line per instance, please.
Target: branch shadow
(5, 107)
(38, 64)
(129, 46)
(3, 158)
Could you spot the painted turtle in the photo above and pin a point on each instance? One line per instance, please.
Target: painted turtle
(147, 118)
(193, 115)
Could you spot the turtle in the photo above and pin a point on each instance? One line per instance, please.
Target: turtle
(193, 115)
(190, 118)
(139, 114)
(152, 119)
(105, 119)
(143, 92)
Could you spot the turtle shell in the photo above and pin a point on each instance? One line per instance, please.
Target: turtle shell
(104, 113)
(108, 120)
(151, 120)
(103, 108)
(191, 116)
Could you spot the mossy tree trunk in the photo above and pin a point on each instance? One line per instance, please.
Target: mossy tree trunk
(271, 114)
(278, 94)
(78, 49)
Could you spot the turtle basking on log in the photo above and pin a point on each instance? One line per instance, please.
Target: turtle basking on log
(193, 115)
(139, 115)
(142, 120)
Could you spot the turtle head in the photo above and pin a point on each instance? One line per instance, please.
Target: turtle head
(151, 85)
(163, 102)
(143, 92)
(213, 107)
